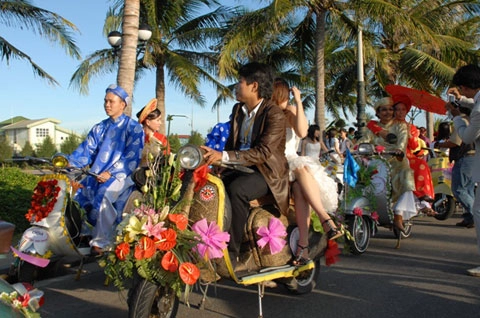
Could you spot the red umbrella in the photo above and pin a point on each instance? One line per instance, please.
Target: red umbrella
(420, 99)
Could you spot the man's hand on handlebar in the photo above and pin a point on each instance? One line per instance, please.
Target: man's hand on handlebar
(104, 176)
(211, 156)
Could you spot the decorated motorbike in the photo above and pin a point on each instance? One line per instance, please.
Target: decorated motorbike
(19, 299)
(368, 205)
(162, 257)
(56, 223)
(441, 168)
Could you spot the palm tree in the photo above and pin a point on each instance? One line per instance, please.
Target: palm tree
(406, 42)
(414, 43)
(128, 52)
(179, 50)
(20, 13)
(289, 35)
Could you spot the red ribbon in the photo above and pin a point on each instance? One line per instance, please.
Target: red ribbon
(200, 176)
(331, 253)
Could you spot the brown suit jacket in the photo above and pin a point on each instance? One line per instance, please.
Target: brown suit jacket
(267, 150)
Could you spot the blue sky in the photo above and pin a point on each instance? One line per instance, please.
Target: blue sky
(23, 94)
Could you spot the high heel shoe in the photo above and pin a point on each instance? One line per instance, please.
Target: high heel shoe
(300, 260)
(334, 232)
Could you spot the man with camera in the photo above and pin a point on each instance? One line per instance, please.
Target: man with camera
(462, 154)
(467, 81)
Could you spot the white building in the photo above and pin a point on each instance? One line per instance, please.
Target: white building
(34, 131)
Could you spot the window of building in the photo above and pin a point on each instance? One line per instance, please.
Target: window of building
(42, 132)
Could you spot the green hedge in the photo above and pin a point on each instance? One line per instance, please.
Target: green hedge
(16, 189)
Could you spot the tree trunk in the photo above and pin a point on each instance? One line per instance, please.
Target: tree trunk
(160, 92)
(128, 52)
(320, 71)
(430, 123)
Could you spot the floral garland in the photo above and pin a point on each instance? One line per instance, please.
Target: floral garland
(156, 240)
(44, 198)
(19, 303)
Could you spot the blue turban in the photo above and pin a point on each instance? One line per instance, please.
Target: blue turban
(120, 92)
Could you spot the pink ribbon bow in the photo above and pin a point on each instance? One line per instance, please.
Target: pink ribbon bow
(272, 235)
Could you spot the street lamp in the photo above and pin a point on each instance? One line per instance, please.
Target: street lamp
(361, 117)
(144, 34)
(169, 119)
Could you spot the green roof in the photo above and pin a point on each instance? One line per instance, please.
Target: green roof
(12, 120)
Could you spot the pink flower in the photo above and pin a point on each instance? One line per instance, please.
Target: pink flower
(144, 210)
(154, 229)
(358, 211)
(212, 240)
(272, 235)
(375, 216)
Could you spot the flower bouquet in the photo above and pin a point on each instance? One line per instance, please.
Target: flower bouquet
(44, 198)
(20, 303)
(156, 241)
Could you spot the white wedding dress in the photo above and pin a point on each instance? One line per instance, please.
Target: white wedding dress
(328, 187)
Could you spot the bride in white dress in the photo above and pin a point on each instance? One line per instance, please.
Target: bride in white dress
(311, 186)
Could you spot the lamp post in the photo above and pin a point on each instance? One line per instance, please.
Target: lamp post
(361, 117)
(144, 34)
(169, 119)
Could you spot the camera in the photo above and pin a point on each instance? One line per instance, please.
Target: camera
(453, 100)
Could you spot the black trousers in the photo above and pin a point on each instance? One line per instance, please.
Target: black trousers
(241, 189)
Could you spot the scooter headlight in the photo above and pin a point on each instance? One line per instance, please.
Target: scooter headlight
(365, 149)
(191, 157)
(60, 161)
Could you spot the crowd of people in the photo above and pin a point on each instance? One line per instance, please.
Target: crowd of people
(272, 136)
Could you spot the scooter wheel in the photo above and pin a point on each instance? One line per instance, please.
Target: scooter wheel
(359, 228)
(305, 282)
(148, 300)
(444, 206)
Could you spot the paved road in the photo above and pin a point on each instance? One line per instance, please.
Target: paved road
(426, 277)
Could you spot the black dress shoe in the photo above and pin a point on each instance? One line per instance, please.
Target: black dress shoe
(96, 251)
(466, 224)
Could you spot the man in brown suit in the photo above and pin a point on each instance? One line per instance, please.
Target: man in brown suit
(257, 140)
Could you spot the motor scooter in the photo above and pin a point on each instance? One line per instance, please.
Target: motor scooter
(441, 168)
(59, 227)
(369, 204)
(19, 299)
(210, 202)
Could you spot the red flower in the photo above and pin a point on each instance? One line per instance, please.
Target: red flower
(331, 253)
(169, 262)
(189, 273)
(145, 248)
(358, 211)
(44, 198)
(122, 250)
(379, 148)
(180, 221)
(375, 216)
(168, 240)
(24, 299)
